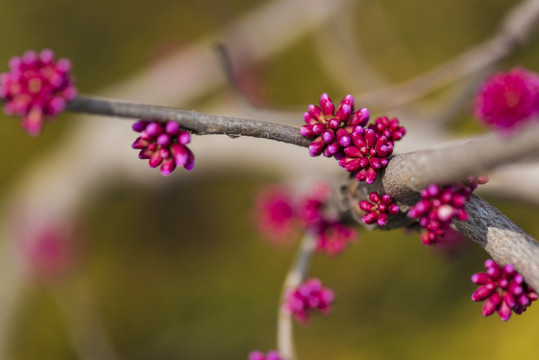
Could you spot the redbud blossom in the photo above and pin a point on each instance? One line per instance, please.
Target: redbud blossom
(367, 154)
(36, 88)
(164, 144)
(378, 209)
(302, 301)
(259, 355)
(275, 214)
(439, 205)
(328, 125)
(503, 289)
(506, 100)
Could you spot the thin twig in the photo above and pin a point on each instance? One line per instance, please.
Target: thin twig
(197, 122)
(516, 28)
(295, 276)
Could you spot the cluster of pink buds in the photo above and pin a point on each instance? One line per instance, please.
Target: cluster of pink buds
(275, 214)
(259, 355)
(163, 144)
(391, 129)
(506, 100)
(368, 153)
(331, 130)
(36, 88)
(378, 209)
(343, 135)
(333, 237)
(503, 289)
(310, 295)
(279, 216)
(437, 208)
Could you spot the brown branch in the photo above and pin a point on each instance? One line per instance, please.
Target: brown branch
(501, 238)
(405, 175)
(198, 123)
(515, 29)
(408, 173)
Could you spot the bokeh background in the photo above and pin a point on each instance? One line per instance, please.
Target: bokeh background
(173, 268)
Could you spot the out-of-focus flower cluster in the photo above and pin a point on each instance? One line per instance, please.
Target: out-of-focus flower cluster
(306, 298)
(439, 205)
(259, 355)
(279, 217)
(503, 289)
(164, 144)
(343, 134)
(507, 100)
(36, 88)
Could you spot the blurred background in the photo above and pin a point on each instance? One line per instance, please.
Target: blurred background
(132, 265)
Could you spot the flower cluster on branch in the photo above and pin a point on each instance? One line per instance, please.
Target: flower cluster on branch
(343, 135)
(503, 289)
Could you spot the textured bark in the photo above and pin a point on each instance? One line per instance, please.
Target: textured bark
(505, 241)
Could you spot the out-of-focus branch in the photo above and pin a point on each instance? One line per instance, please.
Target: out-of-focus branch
(408, 173)
(516, 28)
(198, 123)
(296, 275)
(501, 238)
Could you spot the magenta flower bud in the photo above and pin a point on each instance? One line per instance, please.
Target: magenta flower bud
(375, 163)
(343, 138)
(370, 138)
(481, 279)
(504, 311)
(483, 292)
(140, 125)
(172, 128)
(328, 136)
(190, 161)
(348, 100)
(352, 151)
(309, 120)
(139, 144)
(319, 128)
(393, 209)
(327, 105)
(154, 129)
(184, 138)
(163, 140)
(155, 160)
(366, 206)
(307, 131)
(382, 219)
(371, 176)
(352, 165)
(509, 299)
(343, 112)
(364, 162)
(333, 148)
(167, 167)
(316, 147)
(360, 117)
(333, 123)
(361, 175)
(316, 112)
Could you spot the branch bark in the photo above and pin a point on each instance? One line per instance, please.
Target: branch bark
(198, 123)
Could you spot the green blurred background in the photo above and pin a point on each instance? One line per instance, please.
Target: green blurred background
(179, 272)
